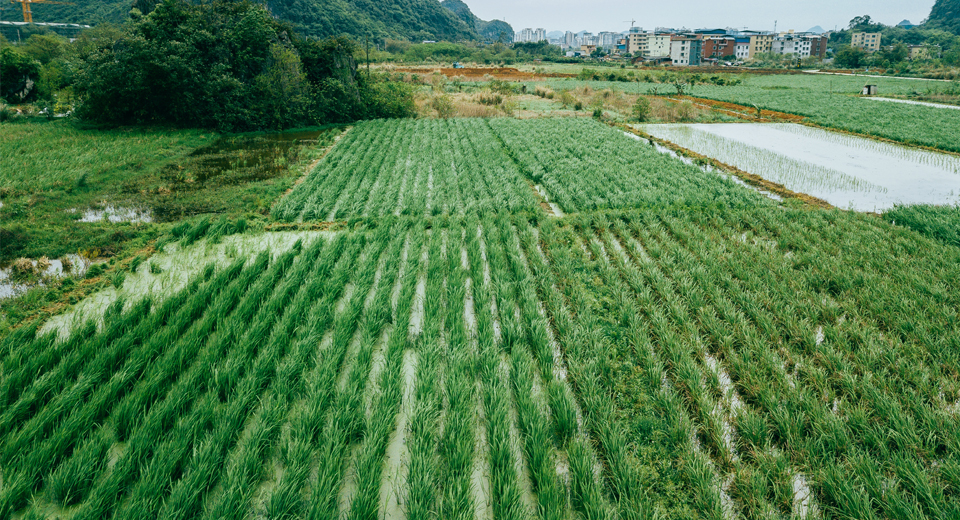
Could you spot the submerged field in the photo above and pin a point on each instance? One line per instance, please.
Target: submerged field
(846, 171)
(676, 345)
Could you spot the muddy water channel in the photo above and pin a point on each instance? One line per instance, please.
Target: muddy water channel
(848, 172)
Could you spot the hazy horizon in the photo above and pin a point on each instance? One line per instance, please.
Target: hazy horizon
(608, 15)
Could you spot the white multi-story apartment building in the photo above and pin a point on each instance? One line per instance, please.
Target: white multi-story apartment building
(648, 44)
(686, 51)
(790, 44)
(743, 49)
(570, 40)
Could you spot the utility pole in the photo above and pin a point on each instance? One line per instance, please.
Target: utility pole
(367, 40)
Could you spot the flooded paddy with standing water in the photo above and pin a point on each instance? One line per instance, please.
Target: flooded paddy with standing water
(846, 171)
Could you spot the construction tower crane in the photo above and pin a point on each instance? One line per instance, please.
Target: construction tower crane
(27, 14)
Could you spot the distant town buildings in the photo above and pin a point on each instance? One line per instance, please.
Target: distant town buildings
(686, 51)
(530, 35)
(691, 48)
(869, 42)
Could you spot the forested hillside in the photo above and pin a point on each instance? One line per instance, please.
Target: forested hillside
(495, 30)
(402, 19)
(415, 20)
(945, 15)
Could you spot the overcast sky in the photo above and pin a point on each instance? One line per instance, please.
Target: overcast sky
(609, 15)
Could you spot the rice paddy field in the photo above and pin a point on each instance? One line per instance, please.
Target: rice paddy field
(830, 101)
(846, 171)
(502, 319)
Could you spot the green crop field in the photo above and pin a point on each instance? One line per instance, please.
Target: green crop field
(454, 167)
(676, 346)
(827, 100)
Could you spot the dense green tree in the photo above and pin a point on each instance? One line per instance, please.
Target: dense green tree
(945, 15)
(20, 73)
(227, 65)
(850, 57)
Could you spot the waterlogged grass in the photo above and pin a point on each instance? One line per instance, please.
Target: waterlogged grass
(60, 157)
(54, 173)
(911, 124)
(171, 270)
(827, 100)
(795, 174)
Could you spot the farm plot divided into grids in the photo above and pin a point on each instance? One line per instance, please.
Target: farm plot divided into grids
(426, 168)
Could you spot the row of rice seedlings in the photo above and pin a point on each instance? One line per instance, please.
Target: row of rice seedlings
(140, 404)
(386, 489)
(348, 416)
(90, 356)
(91, 455)
(153, 439)
(757, 491)
(835, 341)
(200, 454)
(404, 168)
(587, 165)
(586, 489)
(461, 489)
(507, 496)
(892, 413)
(534, 420)
(423, 491)
(42, 441)
(795, 174)
(282, 494)
(687, 374)
(303, 202)
(378, 478)
(686, 381)
(588, 355)
(365, 182)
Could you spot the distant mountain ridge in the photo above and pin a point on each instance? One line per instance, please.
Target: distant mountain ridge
(414, 20)
(494, 30)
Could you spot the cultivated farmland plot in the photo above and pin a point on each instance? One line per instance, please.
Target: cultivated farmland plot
(693, 350)
(846, 171)
(727, 361)
(453, 167)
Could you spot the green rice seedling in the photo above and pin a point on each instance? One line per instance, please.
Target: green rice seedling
(563, 412)
(287, 500)
(244, 464)
(915, 479)
(586, 494)
(70, 482)
(135, 263)
(778, 475)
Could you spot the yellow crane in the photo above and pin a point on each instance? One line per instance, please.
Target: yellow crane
(27, 14)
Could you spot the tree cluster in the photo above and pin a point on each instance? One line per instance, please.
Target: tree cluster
(227, 65)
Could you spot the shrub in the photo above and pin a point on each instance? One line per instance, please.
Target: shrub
(641, 109)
